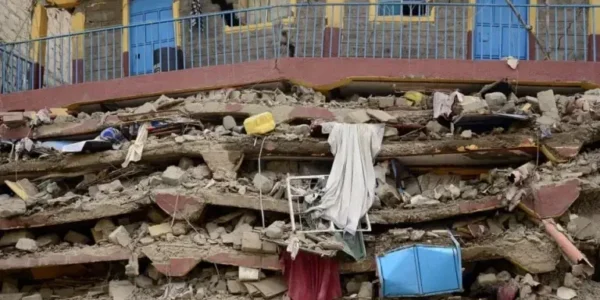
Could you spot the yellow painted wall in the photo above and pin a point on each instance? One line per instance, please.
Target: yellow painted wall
(594, 18)
(125, 34)
(39, 29)
(335, 13)
(77, 25)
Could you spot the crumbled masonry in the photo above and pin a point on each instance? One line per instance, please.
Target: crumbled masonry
(184, 221)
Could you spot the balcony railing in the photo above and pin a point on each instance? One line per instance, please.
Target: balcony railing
(363, 30)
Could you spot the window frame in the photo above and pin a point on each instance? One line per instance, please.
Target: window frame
(262, 26)
(375, 17)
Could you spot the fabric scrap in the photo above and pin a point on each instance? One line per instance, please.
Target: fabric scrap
(442, 105)
(311, 277)
(350, 188)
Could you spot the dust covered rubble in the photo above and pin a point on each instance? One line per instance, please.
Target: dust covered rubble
(242, 232)
(566, 113)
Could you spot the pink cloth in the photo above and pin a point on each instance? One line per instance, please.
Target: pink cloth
(311, 277)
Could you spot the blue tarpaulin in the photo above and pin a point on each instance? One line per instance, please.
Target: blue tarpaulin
(420, 270)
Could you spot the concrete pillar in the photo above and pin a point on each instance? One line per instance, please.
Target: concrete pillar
(39, 29)
(77, 45)
(334, 15)
(125, 38)
(594, 32)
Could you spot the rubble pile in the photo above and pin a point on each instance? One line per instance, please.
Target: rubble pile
(213, 196)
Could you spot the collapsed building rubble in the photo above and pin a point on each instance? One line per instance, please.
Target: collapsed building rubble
(175, 199)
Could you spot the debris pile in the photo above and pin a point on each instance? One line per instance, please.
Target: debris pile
(234, 194)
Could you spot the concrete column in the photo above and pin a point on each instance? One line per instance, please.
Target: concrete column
(39, 29)
(77, 45)
(594, 32)
(125, 38)
(334, 15)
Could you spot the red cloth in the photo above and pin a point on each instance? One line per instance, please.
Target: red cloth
(311, 277)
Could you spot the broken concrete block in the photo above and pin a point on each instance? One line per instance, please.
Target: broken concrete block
(76, 238)
(417, 235)
(10, 285)
(232, 238)
(13, 119)
(262, 183)
(380, 115)
(33, 297)
(390, 131)
(229, 123)
(547, 103)
(133, 267)
(47, 240)
(143, 282)
(172, 175)
(153, 273)
(366, 291)
(251, 242)
(571, 281)
(353, 286)
(466, 134)
(200, 172)
(387, 194)
(180, 228)
(111, 187)
(102, 230)
(155, 215)
(46, 293)
(120, 236)
(275, 230)
(66, 292)
(269, 247)
(386, 101)
(357, 117)
(495, 100)
(160, 229)
(485, 280)
(248, 274)
(234, 287)
(214, 230)
(472, 104)
(23, 188)
(146, 240)
(435, 127)
(145, 108)
(185, 163)
(301, 130)
(12, 237)
(11, 207)
(120, 290)
(565, 293)
(26, 244)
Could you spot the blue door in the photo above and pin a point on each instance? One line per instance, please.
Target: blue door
(498, 32)
(145, 39)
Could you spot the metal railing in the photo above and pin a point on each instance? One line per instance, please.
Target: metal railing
(386, 30)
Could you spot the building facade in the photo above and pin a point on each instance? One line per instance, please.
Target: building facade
(122, 38)
(24, 20)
